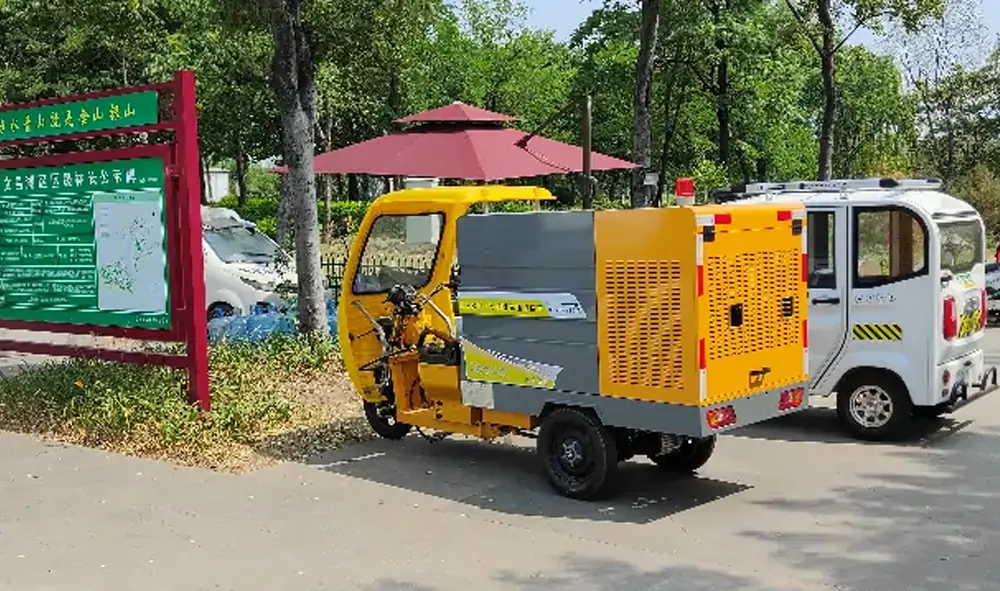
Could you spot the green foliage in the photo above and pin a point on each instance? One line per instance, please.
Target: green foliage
(263, 211)
(143, 409)
(877, 121)
(980, 186)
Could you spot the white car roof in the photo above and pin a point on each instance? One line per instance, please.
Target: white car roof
(931, 201)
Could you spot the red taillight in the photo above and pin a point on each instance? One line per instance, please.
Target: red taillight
(784, 215)
(982, 309)
(701, 280)
(702, 361)
(721, 219)
(791, 399)
(805, 267)
(950, 328)
(717, 418)
(805, 334)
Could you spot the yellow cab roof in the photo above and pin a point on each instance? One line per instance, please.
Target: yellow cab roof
(467, 195)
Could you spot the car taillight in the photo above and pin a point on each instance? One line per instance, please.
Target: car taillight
(982, 309)
(718, 418)
(950, 328)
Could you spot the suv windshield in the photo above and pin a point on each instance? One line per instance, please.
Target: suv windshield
(239, 244)
(961, 245)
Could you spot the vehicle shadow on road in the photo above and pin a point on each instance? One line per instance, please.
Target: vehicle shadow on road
(507, 478)
(933, 523)
(583, 573)
(820, 425)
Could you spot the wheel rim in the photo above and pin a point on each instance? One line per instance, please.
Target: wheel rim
(572, 457)
(386, 414)
(871, 407)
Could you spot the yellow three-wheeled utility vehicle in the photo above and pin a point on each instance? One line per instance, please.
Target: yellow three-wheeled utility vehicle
(613, 333)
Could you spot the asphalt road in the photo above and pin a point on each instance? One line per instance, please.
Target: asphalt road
(789, 505)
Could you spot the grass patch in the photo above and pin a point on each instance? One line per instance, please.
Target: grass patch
(286, 398)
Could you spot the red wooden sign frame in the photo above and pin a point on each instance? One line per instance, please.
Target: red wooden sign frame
(182, 207)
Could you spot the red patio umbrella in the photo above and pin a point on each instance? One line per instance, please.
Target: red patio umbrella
(461, 142)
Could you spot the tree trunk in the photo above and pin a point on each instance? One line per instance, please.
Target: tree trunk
(328, 209)
(670, 113)
(203, 171)
(285, 224)
(243, 193)
(328, 186)
(642, 133)
(353, 190)
(294, 79)
(828, 70)
(722, 88)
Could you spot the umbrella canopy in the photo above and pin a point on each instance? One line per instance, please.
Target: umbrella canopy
(459, 141)
(482, 154)
(457, 112)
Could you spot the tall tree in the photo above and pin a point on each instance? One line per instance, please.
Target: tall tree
(642, 132)
(819, 19)
(293, 79)
(935, 61)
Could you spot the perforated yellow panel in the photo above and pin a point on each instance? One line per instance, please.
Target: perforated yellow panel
(643, 315)
(760, 282)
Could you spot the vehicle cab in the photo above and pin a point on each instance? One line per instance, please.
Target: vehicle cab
(244, 269)
(898, 300)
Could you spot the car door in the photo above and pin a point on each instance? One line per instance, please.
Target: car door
(828, 284)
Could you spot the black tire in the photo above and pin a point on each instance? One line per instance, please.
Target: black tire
(874, 406)
(382, 418)
(224, 308)
(688, 458)
(578, 453)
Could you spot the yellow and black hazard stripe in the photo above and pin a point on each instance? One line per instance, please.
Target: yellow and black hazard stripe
(878, 331)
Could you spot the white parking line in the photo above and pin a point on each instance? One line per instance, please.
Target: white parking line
(370, 456)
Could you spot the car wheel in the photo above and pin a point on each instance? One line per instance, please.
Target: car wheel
(382, 419)
(874, 406)
(690, 455)
(578, 453)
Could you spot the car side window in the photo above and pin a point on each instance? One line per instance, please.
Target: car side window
(890, 244)
(822, 236)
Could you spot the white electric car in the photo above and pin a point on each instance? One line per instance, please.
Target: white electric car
(897, 297)
(244, 268)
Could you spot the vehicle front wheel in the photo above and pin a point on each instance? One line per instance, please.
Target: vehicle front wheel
(874, 406)
(382, 418)
(578, 453)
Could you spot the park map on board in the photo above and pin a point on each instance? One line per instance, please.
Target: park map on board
(85, 244)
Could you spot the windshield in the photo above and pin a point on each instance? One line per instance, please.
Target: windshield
(961, 245)
(237, 244)
(400, 249)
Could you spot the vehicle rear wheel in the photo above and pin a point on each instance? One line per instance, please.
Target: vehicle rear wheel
(382, 418)
(578, 453)
(690, 455)
(874, 406)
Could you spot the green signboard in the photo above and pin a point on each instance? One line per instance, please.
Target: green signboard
(98, 114)
(85, 244)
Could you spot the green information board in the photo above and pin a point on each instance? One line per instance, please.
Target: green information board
(99, 114)
(85, 244)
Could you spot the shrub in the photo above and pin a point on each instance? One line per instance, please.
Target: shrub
(263, 211)
(259, 393)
